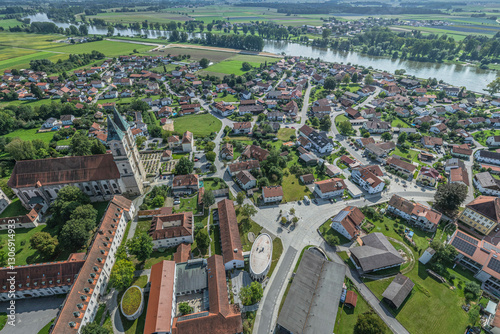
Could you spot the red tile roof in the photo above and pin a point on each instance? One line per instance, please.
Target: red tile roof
(171, 226)
(272, 191)
(183, 253)
(229, 232)
(161, 293)
(96, 257)
(64, 170)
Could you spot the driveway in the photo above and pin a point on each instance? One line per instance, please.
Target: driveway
(32, 314)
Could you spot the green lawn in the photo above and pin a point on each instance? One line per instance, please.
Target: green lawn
(215, 242)
(410, 154)
(347, 317)
(31, 134)
(341, 118)
(247, 225)
(3, 320)
(427, 294)
(277, 250)
(326, 230)
(45, 329)
(157, 256)
(398, 123)
(188, 204)
(14, 209)
(200, 125)
(292, 189)
(481, 136)
(211, 184)
(233, 65)
(284, 134)
(227, 98)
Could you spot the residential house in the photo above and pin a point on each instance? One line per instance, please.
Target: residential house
(459, 175)
(369, 178)
(431, 142)
(438, 128)
(329, 188)
(417, 214)
(318, 140)
(255, 152)
(487, 156)
(348, 222)
(493, 141)
(461, 151)
(487, 184)
(245, 180)
(271, 194)
(236, 167)
(242, 127)
(401, 166)
(185, 184)
(307, 178)
(170, 230)
(227, 151)
(187, 142)
(428, 176)
(377, 126)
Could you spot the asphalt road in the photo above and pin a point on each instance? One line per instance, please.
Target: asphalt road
(271, 301)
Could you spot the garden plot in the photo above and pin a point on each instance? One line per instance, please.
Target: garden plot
(151, 163)
(168, 167)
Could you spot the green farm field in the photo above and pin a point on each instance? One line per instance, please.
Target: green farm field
(30, 135)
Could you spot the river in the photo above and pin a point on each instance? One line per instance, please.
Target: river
(473, 78)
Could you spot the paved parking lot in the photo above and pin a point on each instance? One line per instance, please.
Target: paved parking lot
(32, 314)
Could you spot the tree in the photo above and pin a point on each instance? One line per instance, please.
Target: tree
(251, 294)
(345, 127)
(210, 156)
(354, 78)
(184, 166)
(425, 126)
(368, 79)
(20, 149)
(450, 196)
(369, 323)
(240, 197)
(44, 243)
(80, 144)
(94, 328)
(246, 66)
(386, 136)
(292, 211)
(444, 254)
(202, 239)
(325, 123)
(73, 235)
(141, 246)
(402, 138)
(494, 86)
(87, 214)
(122, 274)
(97, 147)
(330, 83)
(473, 288)
(248, 210)
(208, 198)
(326, 33)
(212, 169)
(332, 239)
(184, 308)
(204, 62)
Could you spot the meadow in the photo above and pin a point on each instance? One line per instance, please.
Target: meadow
(31, 134)
(200, 125)
(232, 65)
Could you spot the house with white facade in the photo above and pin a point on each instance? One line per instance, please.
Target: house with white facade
(329, 188)
(271, 194)
(369, 178)
(170, 230)
(348, 222)
(417, 214)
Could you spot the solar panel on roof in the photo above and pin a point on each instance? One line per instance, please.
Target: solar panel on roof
(464, 246)
(494, 264)
(192, 316)
(467, 238)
